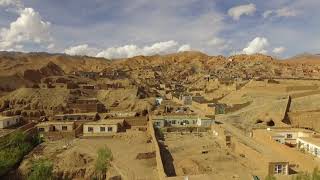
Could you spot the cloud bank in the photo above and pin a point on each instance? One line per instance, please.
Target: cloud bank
(127, 51)
(81, 50)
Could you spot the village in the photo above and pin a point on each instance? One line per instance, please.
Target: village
(212, 129)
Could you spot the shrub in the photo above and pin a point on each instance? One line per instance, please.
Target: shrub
(13, 149)
(41, 170)
(103, 162)
(270, 177)
(315, 175)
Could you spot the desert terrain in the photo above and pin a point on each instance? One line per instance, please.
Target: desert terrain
(166, 117)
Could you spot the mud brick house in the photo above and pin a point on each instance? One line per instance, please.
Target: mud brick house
(87, 86)
(136, 123)
(103, 127)
(52, 126)
(60, 85)
(77, 117)
(46, 85)
(83, 74)
(87, 105)
(113, 74)
(121, 114)
(7, 121)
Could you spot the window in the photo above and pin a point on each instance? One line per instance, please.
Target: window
(90, 129)
(64, 128)
(173, 122)
(102, 129)
(280, 169)
(289, 136)
(41, 129)
(109, 129)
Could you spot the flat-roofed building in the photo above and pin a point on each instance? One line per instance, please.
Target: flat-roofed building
(103, 127)
(8, 121)
(87, 105)
(121, 114)
(182, 121)
(52, 126)
(310, 145)
(77, 117)
(289, 136)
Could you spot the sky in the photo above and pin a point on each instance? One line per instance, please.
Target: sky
(127, 28)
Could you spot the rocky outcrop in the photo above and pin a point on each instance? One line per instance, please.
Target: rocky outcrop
(50, 69)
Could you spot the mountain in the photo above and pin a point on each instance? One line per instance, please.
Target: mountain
(304, 58)
(12, 63)
(170, 67)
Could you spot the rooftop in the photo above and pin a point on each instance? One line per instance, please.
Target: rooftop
(311, 140)
(180, 117)
(106, 122)
(5, 117)
(76, 114)
(55, 122)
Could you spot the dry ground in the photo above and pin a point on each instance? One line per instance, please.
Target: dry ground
(195, 155)
(77, 160)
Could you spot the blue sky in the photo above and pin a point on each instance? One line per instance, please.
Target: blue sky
(124, 28)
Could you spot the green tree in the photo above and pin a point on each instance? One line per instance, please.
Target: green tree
(41, 170)
(103, 162)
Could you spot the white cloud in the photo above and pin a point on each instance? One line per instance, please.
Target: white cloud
(185, 47)
(158, 48)
(257, 45)
(237, 11)
(28, 28)
(286, 12)
(10, 3)
(282, 12)
(81, 50)
(279, 50)
(128, 51)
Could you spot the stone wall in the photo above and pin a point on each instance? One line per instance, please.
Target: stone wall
(160, 169)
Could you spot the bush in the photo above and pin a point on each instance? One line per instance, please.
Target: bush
(13, 149)
(315, 175)
(41, 170)
(270, 177)
(103, 162)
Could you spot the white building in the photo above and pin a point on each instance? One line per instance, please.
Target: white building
(182, 121)
(102, 127)
(7, 121)
(310, 145)
(284, 136)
